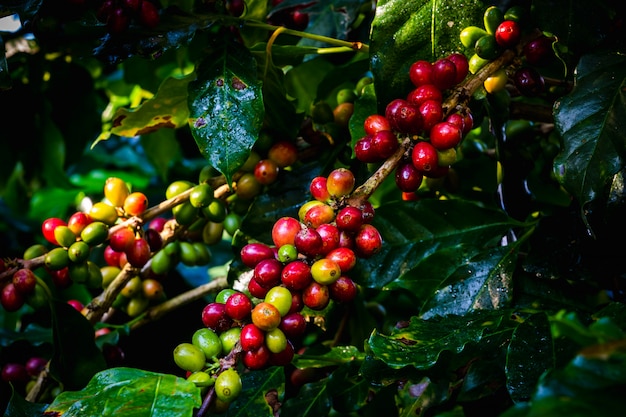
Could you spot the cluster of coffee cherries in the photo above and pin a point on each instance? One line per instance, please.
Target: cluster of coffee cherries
(18, 289)
(419, 116)
(23, 375)
(119, 15)
(505, 31)
(303, 270)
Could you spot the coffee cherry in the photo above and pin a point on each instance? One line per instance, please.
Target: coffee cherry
(208, 342)
(35, 365)
(238, 306)
(368, 241)
(283, 153)
(316, 296)
(384, 143)
(470, 34)
(267, 272)
(404, 117)
(496, 81)
(48, 227)
(253, 253)
(201, 195)
(457, 119)
(229, 339)
(375, 123)
(116, 191)
(318, 189)
(529, 82)
(420, 73)
(446, 156)
(423, 93)
(344, 257)
(508, 34)
(280, 297)
(349, 219)
(308, 242)
(78, 221)
(266, 171)
(256, 359)
(476, 63)
(15, 373)
(293, 325)
(122, 239)
(275, 340)
(251, 337)
(103, 212)
(189, 357)
(139, 253)
(319, 214)
(364, 151)
(325, 271)
(248, 186)
(343, 290)
(424, 156)
(118, 21)
(285, 230)
(135, 204)
(445, 135)
(539, 51)
(64, 236)
(443, 74)
(177, 187)
(487, 48)
(60, 278)
(152, 290)
(266, 316)
(296, 275)
(284, 357)
(340, 182)
(461, 63)
(287, 253)
(56, 259)
(10, 298)
(256, 290)
(342, 113)
(330, 237)
(214, 317)
(432, 113)
(408, 178)
(24, 281)
(224, 295)
(149, 14)
(492, 18)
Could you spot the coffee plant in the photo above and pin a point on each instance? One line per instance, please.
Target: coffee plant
(312, 208)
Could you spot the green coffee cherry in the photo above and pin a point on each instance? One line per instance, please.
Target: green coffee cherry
(57, 259)
(229, 339)
(94, 280)
(185, 213)
(215, 211)
(137, 305)
(78, 251)
(201, 195)
(517, 14)
(201, 379)
(189, 357)
(492, 18)
(34, 251)
(346, 95)
(470, 35)
(161, 262)
(212, 233)
(487, 48)
(78, 272)
(188, 254)
(476, 63)
(208, 342)
(228, 385)
(64, 236)
(176, 188)
(95, 233)
(203, 254)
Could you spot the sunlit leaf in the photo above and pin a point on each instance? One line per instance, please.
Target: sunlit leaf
(226, 107)
(130, 392)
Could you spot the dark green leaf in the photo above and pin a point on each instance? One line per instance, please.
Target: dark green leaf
(226, 107)
(162, 149)
(349, 390)
(19, 407)
(421, 343)
(531, 343)
(403, 32)
(337, 355)
(313, 400)
(261, 391)
(591, 120)
(76, 357)
(413, 231)
(130, 392)
(330, 18)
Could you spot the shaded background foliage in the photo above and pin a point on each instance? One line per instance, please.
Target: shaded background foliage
(469, 290)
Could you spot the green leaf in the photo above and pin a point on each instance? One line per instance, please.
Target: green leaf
(130, 392)
(403, 32)
(76, 357)
(150, 115)
(349, 390)
(531, 343)
(591, 120)
(336, 355)
(18, 407)
(422, 342)
(162, 149)
(330, 18)
(226, 107)
(412, 231)
(261, 390)
(313, 400)
(484, 281)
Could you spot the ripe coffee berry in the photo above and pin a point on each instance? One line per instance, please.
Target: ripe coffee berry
(529, 82)
(404, 117)
(343, 290)
(296, 275)
(461, 63)
(445, 135)
(284, 231)
(364, 151)
(423, 93)
(340, 182)
(318, 189)
(408, 178)
(375, 123)
(135, 204)
(238, 306)
(253, 253)
(539, 51)
(330, 237)
(293, 325)
(349, 218)
(266, 316)
(344, 257)
(284, 153)
(384, 143)
(508, 34)
(251, 337)
(444, 74)
(267, 272)
(214, 317)
(266, 171)
(368, 241)
(432, 113)
(256, 359)
(424, 156)
(420, 73)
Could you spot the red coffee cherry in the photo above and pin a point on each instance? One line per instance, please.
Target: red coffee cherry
(445, 135)
(420, 73)
(508, 34)
(444, 74)
(424, 156)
